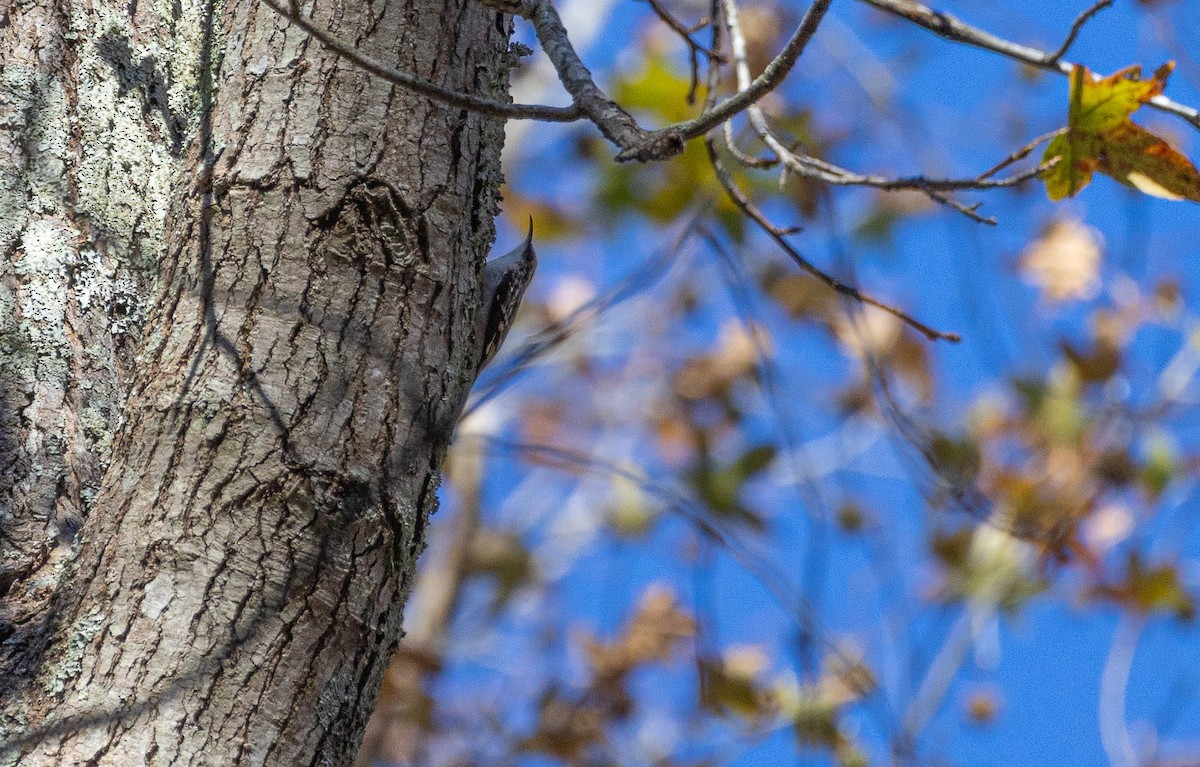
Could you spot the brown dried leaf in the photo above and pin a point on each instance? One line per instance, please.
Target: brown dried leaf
(650, 635)
(1064, 262)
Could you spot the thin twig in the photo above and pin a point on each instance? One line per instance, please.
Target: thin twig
(951, 28)
(743, 158)
(970, 211)
(746, 206)
(1021, 153)
(748, 160)
(424, 87)
(679, 502)
(942, 671)
(617, 125)
(769, 80)
(1114, 683)
(683, 30)
(922, 183)
(1082, 19)
(695, 49)
(811, 167)
(676, 500)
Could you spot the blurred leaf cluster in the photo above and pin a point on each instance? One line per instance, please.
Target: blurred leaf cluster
(728, 511)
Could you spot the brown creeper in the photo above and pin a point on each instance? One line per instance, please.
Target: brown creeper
(504, 282)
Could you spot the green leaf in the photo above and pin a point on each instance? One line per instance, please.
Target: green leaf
(720, 487)
(1100, 136)
(753, 461)
(956, 459)
(1099, 105)
(1077, 160)
(1161, 465)
(723, 692)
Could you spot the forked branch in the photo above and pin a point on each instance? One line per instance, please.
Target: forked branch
(952, 28)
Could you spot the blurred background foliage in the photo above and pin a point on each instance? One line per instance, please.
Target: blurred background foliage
(703, 510)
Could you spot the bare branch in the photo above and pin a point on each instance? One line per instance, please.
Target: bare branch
(617, 125)
(769, 80)
(1021, 153)
(967, 210)
(1082, 19)
(811, 167)
(743, 158)
(695, 49)
(807, 166)
(778, 234)
(590, 101)
(682, 29)
(951, 28)
(424, 87)
(748, 208)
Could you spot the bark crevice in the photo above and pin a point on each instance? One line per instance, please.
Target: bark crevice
(238, 583)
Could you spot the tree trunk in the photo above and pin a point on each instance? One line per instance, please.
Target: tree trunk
(236, 587)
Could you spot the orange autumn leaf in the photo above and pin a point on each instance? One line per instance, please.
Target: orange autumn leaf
(1138, 158)
(1100, 136)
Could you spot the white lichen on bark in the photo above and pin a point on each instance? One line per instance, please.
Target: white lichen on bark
(237, 588)
(88, 156)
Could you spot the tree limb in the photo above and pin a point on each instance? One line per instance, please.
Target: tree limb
(617, 125)
(424, 87)
(1080, 20)
(811, 167)
(951, 28)
(769, 80)
(744, 204)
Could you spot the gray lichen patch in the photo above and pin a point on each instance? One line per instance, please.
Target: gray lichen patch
(124, 178)
(97, 427)
(24, 104)
(42, 267)
(58, 675)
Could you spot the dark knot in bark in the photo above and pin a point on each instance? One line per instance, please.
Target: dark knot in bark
(656, 145)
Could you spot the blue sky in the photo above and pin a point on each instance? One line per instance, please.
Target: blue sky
(954, 113)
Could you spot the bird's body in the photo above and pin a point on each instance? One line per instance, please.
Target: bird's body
(504, 281)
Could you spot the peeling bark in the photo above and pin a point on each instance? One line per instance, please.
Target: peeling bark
(236, 587)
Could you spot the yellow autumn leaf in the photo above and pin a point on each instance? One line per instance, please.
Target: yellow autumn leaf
(1078, 157)
(1100, 136)
(1100, 104)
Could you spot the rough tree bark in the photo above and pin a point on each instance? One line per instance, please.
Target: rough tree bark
(217, 576)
